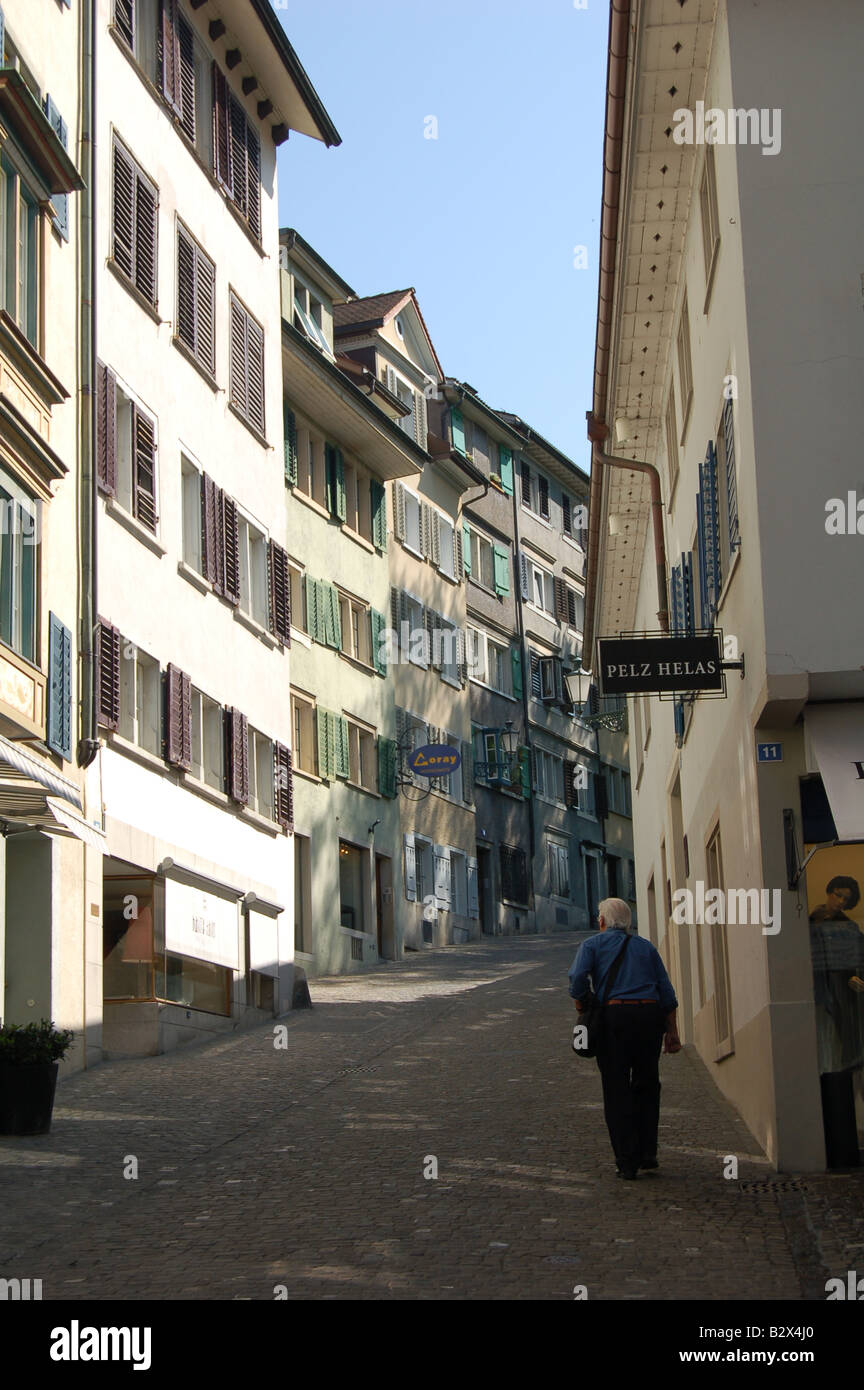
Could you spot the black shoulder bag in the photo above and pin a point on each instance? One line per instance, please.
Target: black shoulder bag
(588, 1031)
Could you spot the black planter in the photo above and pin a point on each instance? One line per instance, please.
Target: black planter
(27, 1097)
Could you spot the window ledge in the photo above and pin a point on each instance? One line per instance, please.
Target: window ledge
(357, 538)
(448, 680)
(255, 627)
(134, 750)
(194, 578)
(311, 502)
(134, 527)
(412, 551)
(194, 784)
(241, 220)
(709, 279)
(484, 588)
(271, 827)
(186, 351)
(356, 662)
(358, 787)
(29, 361)
(302, 638)
(256, 433)
(308, 776)
(149, 309)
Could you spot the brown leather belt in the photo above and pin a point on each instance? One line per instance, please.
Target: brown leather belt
(610, 1002)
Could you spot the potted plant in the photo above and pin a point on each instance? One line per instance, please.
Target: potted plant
(29, 1062)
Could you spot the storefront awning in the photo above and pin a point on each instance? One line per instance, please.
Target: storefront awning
(20, 770)
(837, 735)
(76, 825)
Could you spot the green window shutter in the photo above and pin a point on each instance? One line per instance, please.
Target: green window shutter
(341, 762)
(505, 468)
(59, 737)
(379, 515)
(289, 421)
(314, 622)
(379, 623)
(516, 663)
(330, 473)
(332, 615)
(386, 766)
(524, 756)
(502, 570)
(337, 503)
(322, 722)
(457, 430)
(466, 547)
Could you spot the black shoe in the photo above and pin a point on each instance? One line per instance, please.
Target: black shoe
(629, 1174)
(649, 1163)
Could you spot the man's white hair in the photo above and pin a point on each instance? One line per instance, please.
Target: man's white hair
(615, 912)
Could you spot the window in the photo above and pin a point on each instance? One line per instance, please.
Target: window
(538, 587)
(358, 501)
(303, 725)
(19, 574)
(261, 777)
(671, 444)
(446, 547)
(413, 613)
(412, 531)
(445, 648)
(362, 756)
(406, 396)
(546, 681)
(208, 741)
(303, 924)
(424, 870)
(458, 883)
(482, 560)
(710, 215)
(140, 699)
(549, 776)
(685, 367)
(356, 629)
(353, 878)
(135, 205)
(559, 870)
(311, 472)
(720, 955)
(238, 153)
(489, 662)
(298, 598)
(190, 487)
(136, 23)
(196, 301)
(20, 258)
(310, 317)
(514, 875)
(127, 451)
(254, 584)
(534, 491)
(246, 367)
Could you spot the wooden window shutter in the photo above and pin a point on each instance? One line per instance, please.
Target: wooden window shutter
(205, 311)
(123, 211)
(212, 558)
(178, 718)
(255, 350)
(399, 511)
(566, 514)
(108, 675)
(144, 469)
(124, 20)
(466, 547)
(516, 668)
(59, 734)
(731, 482)
(543, 490)
(322, 725)
(601, 796)
(169, 45)
(237, 755)
(231, 548)
(457, 430)
(525, 473)
(571, 796)
(312, 621)
(536, 679)
(386, 766)
(572, 616)
(459, 551)
(420, 425)
(505, 468)
(425, 530)
(378, 624)
(146, 236)
(501, 569)
(524, 576)
(186, 306)
(106, 429)
(221, 132)
(280, 594)
(186, 76)
(284, 786)
(239, 154)
(253, 182)
(560, 589)
(462, 657)
(238, 382)
(467, 772)
(289, 426)
(378, 502)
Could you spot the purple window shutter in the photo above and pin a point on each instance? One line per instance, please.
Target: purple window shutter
(178, 718)
(108, 675)
(280, 594)
(221, 132)
(106, 429)
(238, 756)
(144, 469)
(231, 552)
(284, 787)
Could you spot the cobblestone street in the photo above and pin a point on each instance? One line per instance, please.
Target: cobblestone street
(304, 1166)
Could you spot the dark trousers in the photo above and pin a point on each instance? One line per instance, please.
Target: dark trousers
(628, 1059)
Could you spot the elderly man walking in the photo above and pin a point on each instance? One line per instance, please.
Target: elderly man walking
(639, 1013)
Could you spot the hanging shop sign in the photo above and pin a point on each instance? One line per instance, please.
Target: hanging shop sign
(435, 760)
(201, 924)
(661, 665)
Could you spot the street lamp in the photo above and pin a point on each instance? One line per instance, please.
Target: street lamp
(579, 683)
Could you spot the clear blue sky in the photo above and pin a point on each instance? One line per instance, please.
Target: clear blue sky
(483, 220)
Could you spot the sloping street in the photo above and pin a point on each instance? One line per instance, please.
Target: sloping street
(266, 1171)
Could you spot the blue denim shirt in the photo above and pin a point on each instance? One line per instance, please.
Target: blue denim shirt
(641, 975)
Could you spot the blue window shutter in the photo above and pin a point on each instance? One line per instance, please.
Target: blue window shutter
(676, 597)
(60, 201)
(505, 468)
(731, 483)
(705, 614)
(679, 719)
(536, 684)
(457, 430)
(710, 519)
(59, 738)
(687, 594)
